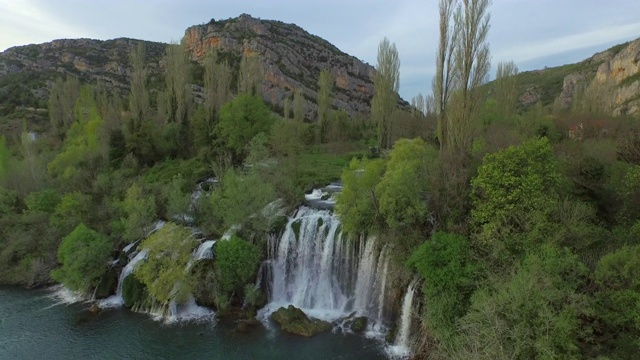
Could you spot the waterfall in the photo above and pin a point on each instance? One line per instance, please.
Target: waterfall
(314, 267)
(401, 346)
(204, 251)
(117, 300)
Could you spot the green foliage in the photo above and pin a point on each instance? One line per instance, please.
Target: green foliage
(72, 210)
(403, 191)
(629, 193)
(511, 184)
(45, 200)
(445, 264)
(240, 200)
(357, 204)
(163, 272)
(140, 209)
(83, 254)
(618, 300)
(133, 291)
(236, 263)
(177, 199)
(535, 314)
(240, 120)
(81, 148)
(8, 200)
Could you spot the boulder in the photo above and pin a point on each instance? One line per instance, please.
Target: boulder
(295, 321)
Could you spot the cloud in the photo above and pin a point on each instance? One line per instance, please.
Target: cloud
(567, 43)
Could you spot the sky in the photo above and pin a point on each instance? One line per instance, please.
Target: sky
(532, 33)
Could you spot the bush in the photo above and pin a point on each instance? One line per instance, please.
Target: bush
(84, 254)
(236, 262)
(445, 264)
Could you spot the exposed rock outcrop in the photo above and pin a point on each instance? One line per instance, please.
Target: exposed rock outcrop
(290, 57)
(295, 321)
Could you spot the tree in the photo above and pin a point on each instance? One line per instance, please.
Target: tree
(72, 210)
(45, 200)
(237, 261)
(81, 150)
(506, 88)
(403, 191)
(445, 263)
(357, 204)
(298, 105)
(83, 254)
(217, 83)
(240, 120)
(62, 99)
(462, 65)
(386, 84)
(325, 98)
(140, 209)
(443, 84)
(164, 270)
(250, 75)
(512, 185)
(471, 69)
(138, 127)
(535, 314)
(239, 201)
(175, 103)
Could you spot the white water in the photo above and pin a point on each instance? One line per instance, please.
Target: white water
(320, 271)
(117, 300)
(401, 347)
(204, 251)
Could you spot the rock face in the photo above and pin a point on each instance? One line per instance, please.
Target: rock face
(290, 58)
(295, 321)
(615, 73)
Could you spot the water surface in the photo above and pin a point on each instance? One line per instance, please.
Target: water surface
(32, 326)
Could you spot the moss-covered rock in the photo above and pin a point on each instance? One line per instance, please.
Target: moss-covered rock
(278, 224)
(358, 324)
(108, 284)
(296, 228)
(295, 321)
(133, 291)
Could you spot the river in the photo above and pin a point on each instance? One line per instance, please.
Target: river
(34, 325)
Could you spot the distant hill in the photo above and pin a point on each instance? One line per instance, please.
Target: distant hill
(616, 71)
(290, 58)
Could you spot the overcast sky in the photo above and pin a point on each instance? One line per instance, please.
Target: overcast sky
(533, 33)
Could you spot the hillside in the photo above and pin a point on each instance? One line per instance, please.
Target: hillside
(615, 71)
(290, 58)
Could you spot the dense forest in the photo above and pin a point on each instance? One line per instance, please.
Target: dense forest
(522, 224)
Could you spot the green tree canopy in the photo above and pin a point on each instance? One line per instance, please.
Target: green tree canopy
(403, 191)
(236, 263)
(357, 204)
(511, 185)
(164, 271)
(83, 254)
(240, 120)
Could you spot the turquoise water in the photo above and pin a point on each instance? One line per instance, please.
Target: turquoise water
(33, 327)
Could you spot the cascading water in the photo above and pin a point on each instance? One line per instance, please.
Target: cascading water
(401, 347)
(313, 267)
(117, 300)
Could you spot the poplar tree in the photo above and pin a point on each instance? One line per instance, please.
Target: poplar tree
(298, 105)
(62, 100)
(386, 84)
(506, 89)
(442, 85)
(325, 98)
(250, 76)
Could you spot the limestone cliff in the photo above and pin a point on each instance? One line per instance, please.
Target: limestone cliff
(290, 58)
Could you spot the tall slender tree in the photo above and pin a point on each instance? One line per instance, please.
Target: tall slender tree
(298, 105)
(325, 98)
(62, 100)
(250, 75)
(386, 84)
(443, 84)
(471, 69)
(506, 89)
